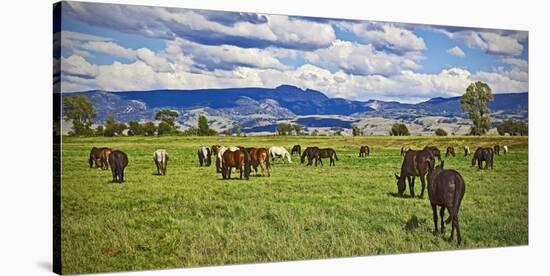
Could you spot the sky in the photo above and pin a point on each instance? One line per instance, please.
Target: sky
(117, 47)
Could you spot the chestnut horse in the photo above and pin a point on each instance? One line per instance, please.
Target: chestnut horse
(104, 157)
(450, 151)
(446, 189)
(239, 159)
(260, 157)
(364, 151)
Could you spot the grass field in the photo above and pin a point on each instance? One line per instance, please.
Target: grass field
(191, 217)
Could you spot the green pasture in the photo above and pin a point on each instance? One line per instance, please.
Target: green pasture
(191, 217)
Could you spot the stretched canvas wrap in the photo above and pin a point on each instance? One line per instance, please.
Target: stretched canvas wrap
(187, 138)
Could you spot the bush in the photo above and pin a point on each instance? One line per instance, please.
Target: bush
(399, 129)
(513, 128)
(440, 132)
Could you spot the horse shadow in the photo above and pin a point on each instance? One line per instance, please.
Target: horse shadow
(392, 194)
(413, 223)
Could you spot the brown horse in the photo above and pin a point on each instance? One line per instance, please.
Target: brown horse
(239, 159)
(450, 151)
(319, 154)
(435, 151)
(497, 149)
(296, 149)
(94, 157)
(260, 157)
(404, 150)
(364, 151)
(466, 150)
(118, 161)
(308, 152)
(483, 155)
(104, 157)
(446, 189)
(215, 149)
(415, 163)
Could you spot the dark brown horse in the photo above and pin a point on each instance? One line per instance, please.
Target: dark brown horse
(319, 154)
(483, 155)
(446, 189)
(435, 151)
(496, 148)
(296, 149)
(239, 159)
(364, 151)
(308, 153)
(104, 157)
(415, 163)
(450, 151)
(94, 157)
(260, 157)
(118, 161)
(404, 150)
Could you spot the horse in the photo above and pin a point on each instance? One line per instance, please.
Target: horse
(450, 151)
(319, 154)
(219, 158)
(94, 157)
(279, 152)
(481, 155)
(435, 151)
(260, 157)
(214, 149)
(404, 150)
(238, 159)
(466, 150)
(161, 158)
(296, 149)
(446, 189)
(415, 163)
(307, 153)
(496, 148)
(118, 161)
(205, 156)
(364, 151)
(104, 157)
(505, 149)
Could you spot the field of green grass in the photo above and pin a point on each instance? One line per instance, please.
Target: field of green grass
(191, 217)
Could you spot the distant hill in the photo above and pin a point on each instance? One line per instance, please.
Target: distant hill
(259, 109)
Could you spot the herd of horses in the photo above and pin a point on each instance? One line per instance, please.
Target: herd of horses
(446, 188)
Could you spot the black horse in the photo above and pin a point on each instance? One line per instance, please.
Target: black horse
(205, 156)
(308, 153)
(483, 155)
(296, 149)
(446, 189)
(118, 161)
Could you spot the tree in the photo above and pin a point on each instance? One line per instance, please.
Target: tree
(149, 128)
(237, 130)
(284, 129)
(356, 131)
(112, 127)
(81, 111)
(203, 126)
(440, 132)
(99, 130)
(315, 132)
(165, 128)
(512, 128)
(168, 121)
(298, 129)
(134, 128)
(474, 101)
(399, 129)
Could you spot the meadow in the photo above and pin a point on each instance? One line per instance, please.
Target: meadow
(191, 217)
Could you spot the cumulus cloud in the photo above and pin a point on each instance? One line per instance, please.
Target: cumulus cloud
(109, 48)
(522, 64)
(491, 41)
(386, 35)
(456, 51)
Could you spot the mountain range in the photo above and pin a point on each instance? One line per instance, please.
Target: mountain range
(261, 109)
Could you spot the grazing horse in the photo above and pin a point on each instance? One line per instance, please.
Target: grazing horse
(205, 156)
(307, 153)
(104, 157)
(161, 158)
(260, 157)
(446, 189)
(505, 149)
(319, 154)
(496, 148)
(94, 157)
(214, 149)
(404, 150)
(415, 163)
(219, 159)
(364, 151)
(450, 151)
(296, 149)
(483, 154)
(279, 152)
(435, 151)
(238, 159)
(118, 161)
(466, 150)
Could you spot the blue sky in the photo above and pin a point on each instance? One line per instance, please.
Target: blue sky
(123, 47)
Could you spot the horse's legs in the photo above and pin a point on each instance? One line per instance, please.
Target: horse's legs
(442, 214)
(422, 180)
(434, 211)
(411, 185)
(113, 171)
(458, 236)
(121, 175)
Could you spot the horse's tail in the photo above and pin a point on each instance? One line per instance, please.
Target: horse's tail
(267, 165)
(456, 201)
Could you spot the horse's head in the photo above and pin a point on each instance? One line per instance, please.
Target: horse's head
(400, 184)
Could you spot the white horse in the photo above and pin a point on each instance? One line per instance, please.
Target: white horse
(205, 156)
(279, 152)
(505, 149)
(160, 157)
